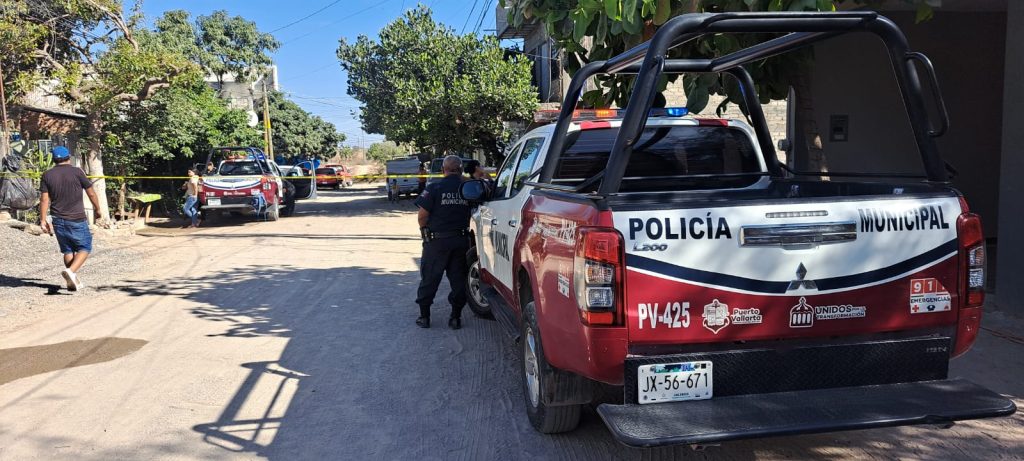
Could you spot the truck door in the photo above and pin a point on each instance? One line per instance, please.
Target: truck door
(507, 211)
(488, 218)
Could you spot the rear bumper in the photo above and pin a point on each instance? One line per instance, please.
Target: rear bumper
(243, 208)
(802, 412)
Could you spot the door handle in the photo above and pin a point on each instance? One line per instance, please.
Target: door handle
(512, 223)
(494, 222)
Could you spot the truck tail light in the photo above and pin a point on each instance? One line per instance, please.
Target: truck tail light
(972, 280)
(599, 276)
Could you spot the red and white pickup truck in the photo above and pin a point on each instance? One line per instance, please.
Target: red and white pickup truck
(247, 182)
(721, 295)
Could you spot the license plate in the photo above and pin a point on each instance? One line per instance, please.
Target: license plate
(214, 201)
(674, 382)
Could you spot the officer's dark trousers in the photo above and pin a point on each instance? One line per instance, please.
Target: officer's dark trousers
(440, 257)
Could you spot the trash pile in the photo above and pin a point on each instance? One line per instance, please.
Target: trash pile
(17, 192)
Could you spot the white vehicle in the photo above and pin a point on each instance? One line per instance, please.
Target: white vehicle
(406, 181)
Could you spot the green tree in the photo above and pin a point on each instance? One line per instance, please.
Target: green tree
(614, 26)
(20, 42)
(107, 63)
(183, 121)
(297, 132)
(221, 44)
(422, 83)
(100, 73)
(384, 151)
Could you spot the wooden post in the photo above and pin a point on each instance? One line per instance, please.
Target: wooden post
(5, 143)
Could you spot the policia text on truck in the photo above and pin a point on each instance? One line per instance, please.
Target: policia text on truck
(720, 293)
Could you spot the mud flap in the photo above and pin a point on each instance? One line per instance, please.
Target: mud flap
(802, 412)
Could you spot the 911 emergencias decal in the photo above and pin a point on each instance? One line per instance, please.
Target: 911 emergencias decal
(928, 296)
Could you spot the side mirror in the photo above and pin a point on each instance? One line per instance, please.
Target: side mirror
(474, 190)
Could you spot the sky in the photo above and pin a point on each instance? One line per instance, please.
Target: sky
(308, 70)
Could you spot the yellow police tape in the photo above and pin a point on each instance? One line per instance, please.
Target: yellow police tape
(132, 178)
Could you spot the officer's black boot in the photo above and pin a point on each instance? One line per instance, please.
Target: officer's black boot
(424, 320)
(455, 323)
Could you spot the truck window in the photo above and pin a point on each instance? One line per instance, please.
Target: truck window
(244, 168)
(665, 156)
(531, 150)
(505, 173)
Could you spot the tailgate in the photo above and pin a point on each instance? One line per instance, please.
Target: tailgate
(233, 185)
(785, 270)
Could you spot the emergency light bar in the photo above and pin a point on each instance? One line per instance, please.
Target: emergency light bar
(543, 116)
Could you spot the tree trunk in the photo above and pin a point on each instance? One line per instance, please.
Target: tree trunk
(120, 199)
(807, 126)
(94, 159)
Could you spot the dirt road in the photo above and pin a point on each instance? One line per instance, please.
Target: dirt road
(295, 340)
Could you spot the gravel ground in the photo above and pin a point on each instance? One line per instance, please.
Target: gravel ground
(30, 272)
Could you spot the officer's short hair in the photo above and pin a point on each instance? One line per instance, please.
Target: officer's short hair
(452, 163)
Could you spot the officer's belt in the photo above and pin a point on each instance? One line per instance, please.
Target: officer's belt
(449, 234)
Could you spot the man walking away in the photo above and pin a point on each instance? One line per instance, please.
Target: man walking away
(444, 226)
(61, 189)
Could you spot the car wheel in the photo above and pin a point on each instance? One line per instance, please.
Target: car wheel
(478, 303)
(289, 209)
(535, 371)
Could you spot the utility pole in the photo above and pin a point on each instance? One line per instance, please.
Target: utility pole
(5, 143)
(267, 138)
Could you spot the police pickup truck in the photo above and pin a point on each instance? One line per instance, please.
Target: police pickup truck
(247, 182)
(718, 294)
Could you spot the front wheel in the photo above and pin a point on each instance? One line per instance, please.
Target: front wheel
(478, 303)
(536, 370)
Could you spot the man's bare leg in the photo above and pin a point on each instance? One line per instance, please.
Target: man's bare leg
(77, 261)
(68, 258)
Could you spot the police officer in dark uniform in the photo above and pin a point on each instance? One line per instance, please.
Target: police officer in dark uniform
(444, 226)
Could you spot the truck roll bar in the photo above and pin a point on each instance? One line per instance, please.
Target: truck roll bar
(650, 59)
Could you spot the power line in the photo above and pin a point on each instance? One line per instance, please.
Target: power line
(310, 15)
(470, 15)
(375, 5)
(312, 72)
(483, 14)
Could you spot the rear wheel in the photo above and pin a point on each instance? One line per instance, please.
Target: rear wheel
(478, 303)
(288, 209)
(536, 370)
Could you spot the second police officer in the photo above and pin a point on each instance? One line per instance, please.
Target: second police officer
(444, 227)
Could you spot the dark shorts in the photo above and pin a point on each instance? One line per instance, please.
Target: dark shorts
(72, 236)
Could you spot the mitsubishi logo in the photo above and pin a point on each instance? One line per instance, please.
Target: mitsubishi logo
(800, 283)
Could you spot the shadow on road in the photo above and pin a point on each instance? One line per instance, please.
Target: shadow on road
(16, 282)
(357, 380)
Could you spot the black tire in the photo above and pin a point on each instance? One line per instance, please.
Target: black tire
(288, 209)
(274, 210)
(545, 419)
(474, 287)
